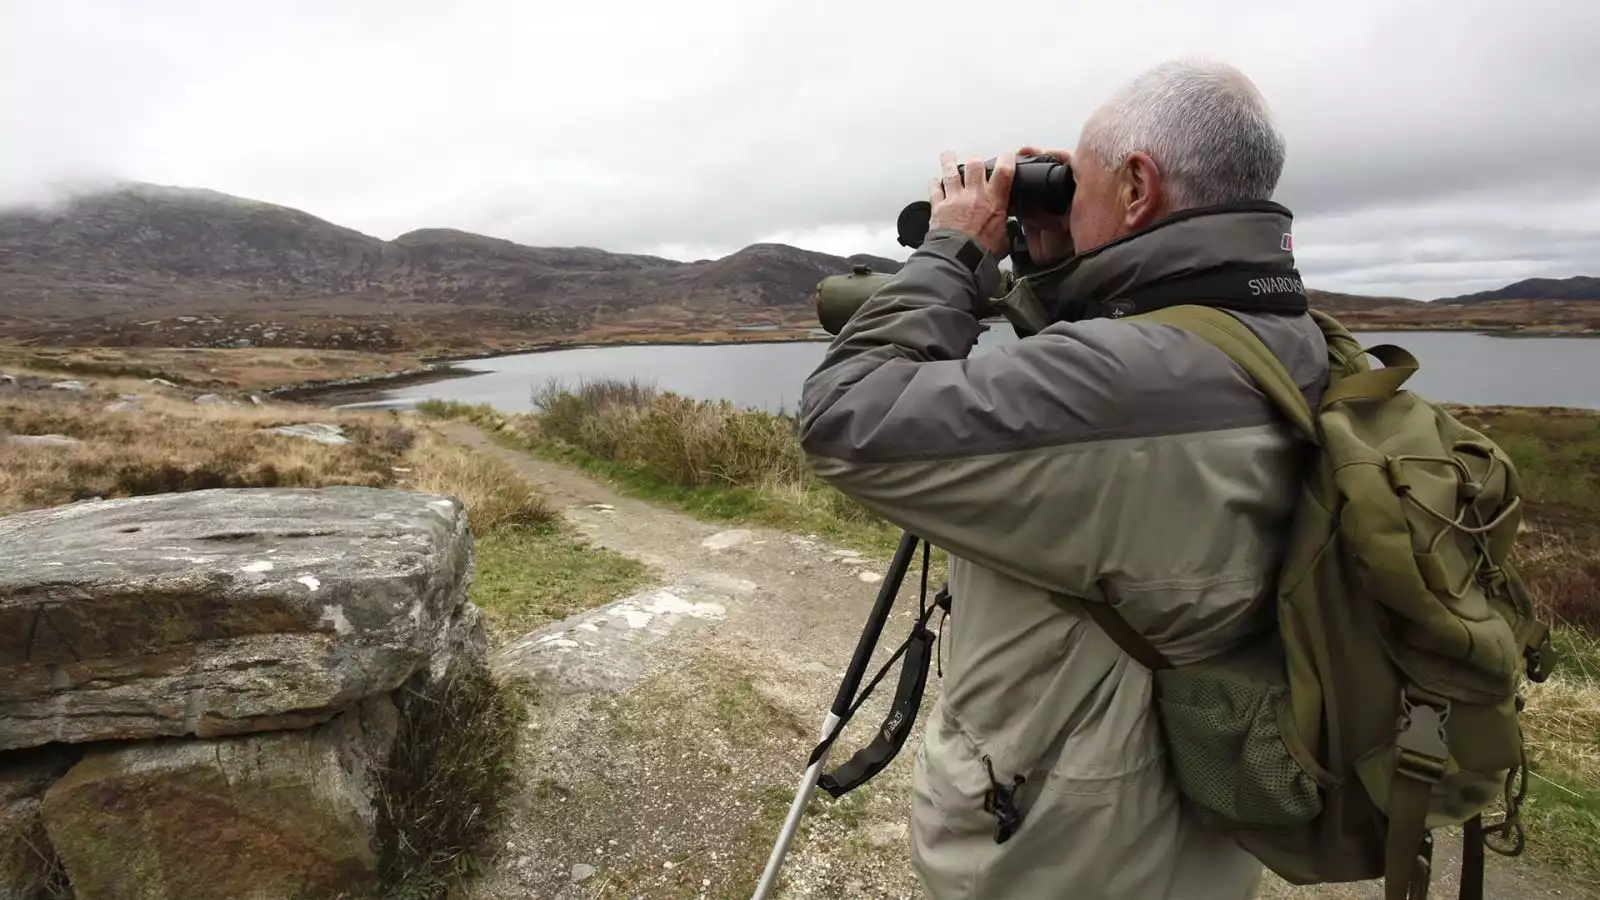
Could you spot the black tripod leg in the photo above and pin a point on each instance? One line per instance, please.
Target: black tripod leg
(841, 706)
(875, 622)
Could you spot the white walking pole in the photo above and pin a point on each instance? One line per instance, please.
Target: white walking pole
(802, 796)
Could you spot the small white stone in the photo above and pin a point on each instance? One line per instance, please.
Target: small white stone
(722, 540)
(869, 577)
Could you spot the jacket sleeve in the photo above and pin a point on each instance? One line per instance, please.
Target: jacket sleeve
(1011, 459)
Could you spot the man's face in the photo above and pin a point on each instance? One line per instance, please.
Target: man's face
(1099, 210)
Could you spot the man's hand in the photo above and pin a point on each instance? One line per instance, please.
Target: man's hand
(1048, 238)
(978, 206)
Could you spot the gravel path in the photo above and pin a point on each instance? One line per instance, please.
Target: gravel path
(670, 728)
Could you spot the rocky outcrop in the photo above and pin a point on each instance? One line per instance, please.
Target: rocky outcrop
(220, 612)
(285, 814)
(198, 690)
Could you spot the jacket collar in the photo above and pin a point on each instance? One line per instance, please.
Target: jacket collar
(1254, 236)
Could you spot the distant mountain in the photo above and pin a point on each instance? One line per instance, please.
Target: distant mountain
(168, 266)
(141, 252)
(1577, 288)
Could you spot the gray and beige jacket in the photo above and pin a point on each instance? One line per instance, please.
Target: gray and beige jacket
(1104, 460)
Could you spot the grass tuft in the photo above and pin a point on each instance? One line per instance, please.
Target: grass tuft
(442, 794)
(693, 443)
(496, 497)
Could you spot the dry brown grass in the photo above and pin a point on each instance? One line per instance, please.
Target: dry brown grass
(1563, 715)
(1532, 316)
(495, 496)
(175, 445)
(1562, 567)
(170, 444)
(257, 369)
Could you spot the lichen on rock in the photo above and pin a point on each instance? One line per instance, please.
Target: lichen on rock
(284, 814)
(224, 612)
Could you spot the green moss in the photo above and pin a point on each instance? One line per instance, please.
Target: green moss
(531, 575)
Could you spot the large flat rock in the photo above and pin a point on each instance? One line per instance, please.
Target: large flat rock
(281, 816)
(223, 612)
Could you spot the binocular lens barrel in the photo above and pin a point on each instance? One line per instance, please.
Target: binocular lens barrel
(1041, 183)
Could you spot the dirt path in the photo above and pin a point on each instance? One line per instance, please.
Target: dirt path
(671, 726)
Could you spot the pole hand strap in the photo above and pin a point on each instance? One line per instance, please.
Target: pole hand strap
(902, 716)
(896, 727)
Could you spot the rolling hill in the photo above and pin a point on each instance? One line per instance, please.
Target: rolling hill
(152, 264)
(1581, 288)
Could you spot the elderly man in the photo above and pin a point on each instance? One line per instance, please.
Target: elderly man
(1106, 460)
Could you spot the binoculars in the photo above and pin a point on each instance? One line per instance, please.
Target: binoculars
(1042, 184)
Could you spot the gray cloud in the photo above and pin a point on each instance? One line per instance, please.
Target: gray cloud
(1435, 148)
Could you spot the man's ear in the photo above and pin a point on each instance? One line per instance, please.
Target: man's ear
(1143, 197)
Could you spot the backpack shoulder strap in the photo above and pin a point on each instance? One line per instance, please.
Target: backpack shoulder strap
(1241, 345)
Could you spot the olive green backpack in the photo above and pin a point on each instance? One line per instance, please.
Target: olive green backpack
(1386, 702)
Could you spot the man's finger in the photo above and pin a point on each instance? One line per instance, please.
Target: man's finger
(975, 176)
(1005, 168)
(952, 177)
(935, 191)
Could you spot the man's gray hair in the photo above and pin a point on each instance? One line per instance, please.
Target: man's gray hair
(1206, 126)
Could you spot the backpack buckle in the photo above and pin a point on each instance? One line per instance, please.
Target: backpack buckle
(1540, 657)
(1423, 746)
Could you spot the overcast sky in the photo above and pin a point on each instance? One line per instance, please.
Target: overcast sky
(1434, 147)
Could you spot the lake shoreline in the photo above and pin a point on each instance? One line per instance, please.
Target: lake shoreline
(320, 392)
(603, 343)
(380, 390)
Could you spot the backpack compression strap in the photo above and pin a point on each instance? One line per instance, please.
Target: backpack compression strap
(1117, 628)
